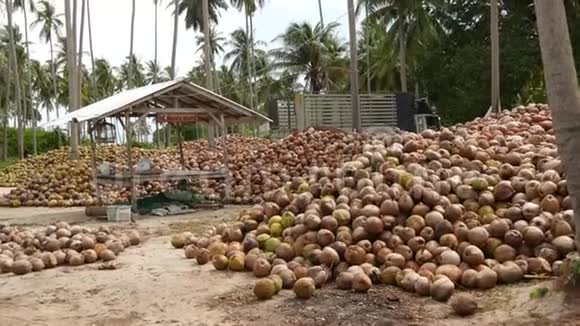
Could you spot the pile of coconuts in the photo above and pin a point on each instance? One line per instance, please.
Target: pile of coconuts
(23, 251)
(475, 205)
(257, 166)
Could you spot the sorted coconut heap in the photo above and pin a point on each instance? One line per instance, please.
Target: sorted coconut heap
(23, 251)
(476, 205)
(257, 166)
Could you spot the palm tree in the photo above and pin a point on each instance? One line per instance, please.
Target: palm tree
(240, 57)
(215, 48)
(131, 74)
(104, 77)
(406, 21)
(562, 85)
(380, 66)
(50, 23)
(194, 12)
(249, 7)
(28, 108)
(16, 79)
(304, 51)
(154, 73)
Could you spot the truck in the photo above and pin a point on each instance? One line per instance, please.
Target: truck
(379, 112)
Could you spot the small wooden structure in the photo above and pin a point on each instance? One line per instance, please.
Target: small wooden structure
(176, 102)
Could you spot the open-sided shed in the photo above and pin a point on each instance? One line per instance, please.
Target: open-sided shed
(175, 102)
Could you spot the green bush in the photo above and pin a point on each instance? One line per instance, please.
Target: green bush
(45, 140)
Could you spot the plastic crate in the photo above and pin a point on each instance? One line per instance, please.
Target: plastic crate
(119, 213)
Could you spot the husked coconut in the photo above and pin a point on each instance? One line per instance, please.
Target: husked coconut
(361, 282)
(304, 288)
(442, 289)
(463, 304)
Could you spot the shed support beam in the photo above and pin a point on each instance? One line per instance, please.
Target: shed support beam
(210, 135)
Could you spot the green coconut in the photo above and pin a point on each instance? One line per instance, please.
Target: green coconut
(288, 219)
(262, 238)
(271, 244)
(275, 219)
(264, 289)
(276, 229)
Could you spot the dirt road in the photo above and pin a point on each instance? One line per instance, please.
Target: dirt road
(155, 285)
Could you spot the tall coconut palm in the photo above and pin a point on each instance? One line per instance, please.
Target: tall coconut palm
(156, 4)
(130, 67)
(196, 18)
(216, 41)
(105, 79)
(562, 85)
(28, 107)
(405, 20)
(18, 99)
(240, 53)
(304, 52)
(194, 12)
(320, 12)
(50, 25)
(154, 73)
(5, 98)
(131, 74)
(249, 7)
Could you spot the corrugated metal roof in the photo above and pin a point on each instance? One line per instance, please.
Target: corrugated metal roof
(133, 97)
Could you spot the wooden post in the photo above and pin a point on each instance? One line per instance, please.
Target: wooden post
(226, 159)
(130, 155)
(180, 145)
(210, 135)
(299, 108)
(94, 164)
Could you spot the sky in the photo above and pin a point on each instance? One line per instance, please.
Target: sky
(111, 20)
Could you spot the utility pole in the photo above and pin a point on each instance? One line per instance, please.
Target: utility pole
(206, 46)
(495, 82)
(354, 97)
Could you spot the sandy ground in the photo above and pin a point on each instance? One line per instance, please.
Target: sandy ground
(155, 285)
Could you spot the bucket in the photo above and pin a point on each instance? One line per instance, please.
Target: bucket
(119, 213)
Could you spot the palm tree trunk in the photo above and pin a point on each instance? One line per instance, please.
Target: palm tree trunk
(562, 86)
(321, 16)
(495, 83)
(206, 46)
(92, 86)
(356, 118)
(175, 29)
(248, 54)
(80, 60)
(403, 60)
(54, 84)
(368, 45)
(173, 58)
(253, 58)
(70, 20)
(130, 72)
(5, 116)
(32, 112)
(155, 47)
(16, 80)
